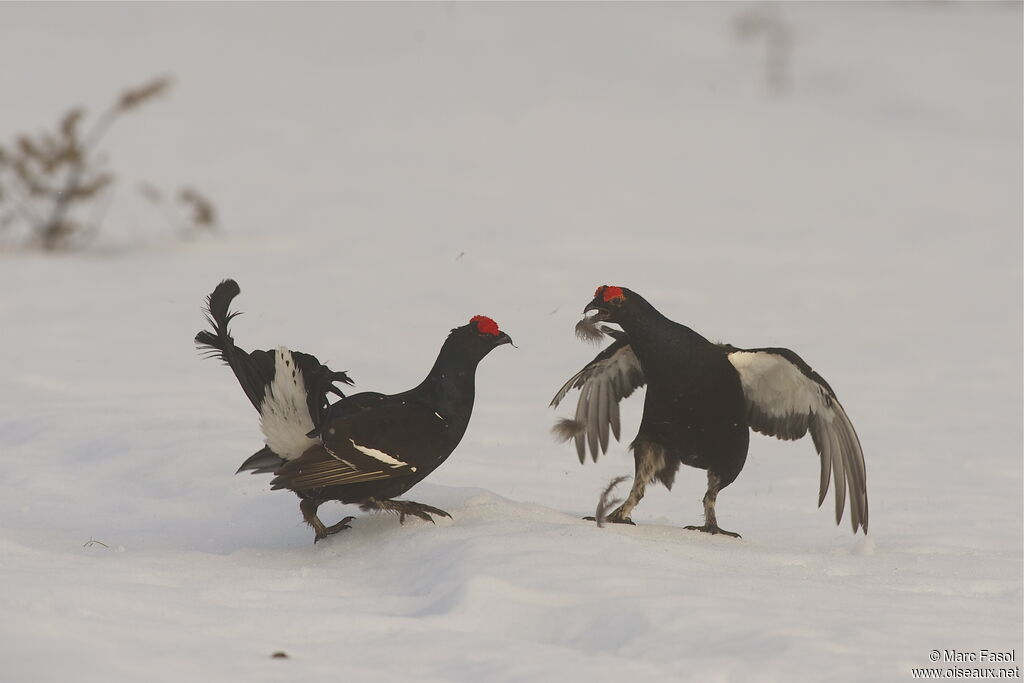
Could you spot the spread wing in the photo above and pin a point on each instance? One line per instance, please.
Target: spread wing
(390, 441)
(786, 399)
(613, 375)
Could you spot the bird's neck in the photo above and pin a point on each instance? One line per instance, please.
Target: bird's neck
(651, 334)
(450, 386)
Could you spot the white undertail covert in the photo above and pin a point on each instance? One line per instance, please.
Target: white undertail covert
(284, 414)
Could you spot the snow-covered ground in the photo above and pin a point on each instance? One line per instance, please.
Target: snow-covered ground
(385, 171)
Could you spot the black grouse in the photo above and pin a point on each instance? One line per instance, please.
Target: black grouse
(366, 448)
(701, 399)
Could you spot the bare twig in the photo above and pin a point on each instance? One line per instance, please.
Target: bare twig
(203, 215)
(133, 97)
(764, 21)
(52, 173)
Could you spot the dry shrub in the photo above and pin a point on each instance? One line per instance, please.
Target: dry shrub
(55, 185)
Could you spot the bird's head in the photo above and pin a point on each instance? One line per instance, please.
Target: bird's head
(479, 336)
(609, 304)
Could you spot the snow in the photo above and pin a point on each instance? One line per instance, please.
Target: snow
(385, 171)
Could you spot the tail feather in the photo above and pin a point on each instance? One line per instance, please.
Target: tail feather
(263, 461)
(320, 381)
(254, 371)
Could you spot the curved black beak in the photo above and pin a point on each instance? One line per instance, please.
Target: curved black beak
(601, 315)
(504, 339)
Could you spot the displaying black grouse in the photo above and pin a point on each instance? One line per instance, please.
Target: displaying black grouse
(366, 448)
(701, 399)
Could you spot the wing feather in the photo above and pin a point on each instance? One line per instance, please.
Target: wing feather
(391, 441)
(838, 474)
(320, 468)
(613, 408)
(786, 399)
(321, 474)
(603, 400)
(581, 421)
(611, 376)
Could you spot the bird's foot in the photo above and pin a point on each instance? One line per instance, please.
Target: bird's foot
(612, 519)
(420, 510)
(402, 508)
(321, 532)
(712, 529)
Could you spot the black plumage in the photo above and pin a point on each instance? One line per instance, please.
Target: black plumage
(367, 448)
(702, 399)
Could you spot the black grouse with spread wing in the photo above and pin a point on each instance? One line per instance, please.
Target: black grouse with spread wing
(701, 399)
(366, 448)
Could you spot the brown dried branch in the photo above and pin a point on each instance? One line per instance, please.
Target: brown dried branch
(766, 22)
(27, 147)
(90, 188)
(133, 97)
(204, 215)
(69, 124)
(47, 179)
(33, 184)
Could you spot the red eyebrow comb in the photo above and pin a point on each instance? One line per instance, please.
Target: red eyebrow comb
(485, 325)
(610, 293)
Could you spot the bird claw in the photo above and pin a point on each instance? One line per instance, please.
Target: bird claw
(613, 520)
(427, 510)
(420, 510)
(713, 529)
(326, 531)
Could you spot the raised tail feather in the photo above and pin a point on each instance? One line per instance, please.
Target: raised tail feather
(255, 370)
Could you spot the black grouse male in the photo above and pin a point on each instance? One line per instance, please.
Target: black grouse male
(367, 448)
(701, 399)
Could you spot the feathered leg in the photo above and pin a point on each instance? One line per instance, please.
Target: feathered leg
(649, 460)
(308, 506)
(710, 521)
